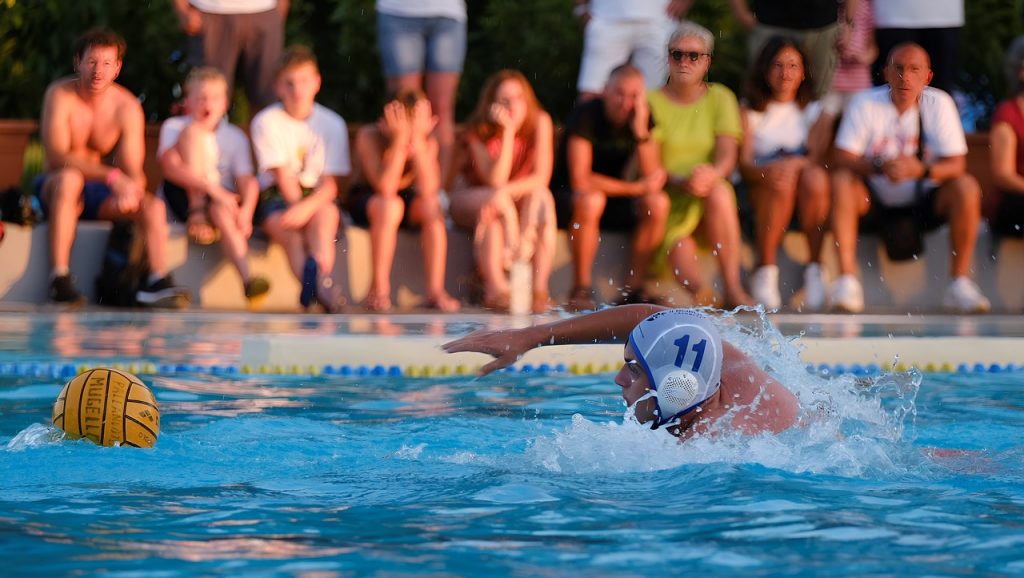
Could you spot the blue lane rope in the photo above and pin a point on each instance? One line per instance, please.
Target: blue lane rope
(60, 370)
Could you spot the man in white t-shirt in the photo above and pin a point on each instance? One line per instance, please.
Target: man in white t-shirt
(209, 182)
(617, 32)
(908, 187)
(302, 152)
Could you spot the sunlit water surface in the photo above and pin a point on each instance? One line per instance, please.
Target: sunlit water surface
(518, 475)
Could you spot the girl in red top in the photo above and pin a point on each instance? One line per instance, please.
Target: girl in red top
(505, 197)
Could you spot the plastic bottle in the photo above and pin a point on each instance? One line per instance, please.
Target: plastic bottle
(520, 280)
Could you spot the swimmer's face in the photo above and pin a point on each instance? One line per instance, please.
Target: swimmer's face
(634, 383)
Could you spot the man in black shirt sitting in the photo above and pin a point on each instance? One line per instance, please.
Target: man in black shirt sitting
(608, 176)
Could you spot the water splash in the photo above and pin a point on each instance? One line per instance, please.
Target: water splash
(848, 426)
(35, 436)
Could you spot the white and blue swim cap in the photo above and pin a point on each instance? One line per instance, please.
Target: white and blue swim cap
(681, 352)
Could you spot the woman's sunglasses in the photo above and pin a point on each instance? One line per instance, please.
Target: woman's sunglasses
(678, 55)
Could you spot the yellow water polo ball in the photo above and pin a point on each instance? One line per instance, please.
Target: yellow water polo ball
(109, 407)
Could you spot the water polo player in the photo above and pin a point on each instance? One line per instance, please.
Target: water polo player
(678, 373)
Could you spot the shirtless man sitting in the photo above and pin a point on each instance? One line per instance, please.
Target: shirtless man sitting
(89, 121)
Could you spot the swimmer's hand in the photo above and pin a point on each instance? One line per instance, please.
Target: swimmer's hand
(506, 345)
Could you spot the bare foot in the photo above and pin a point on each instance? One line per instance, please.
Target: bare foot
(377, 302)
(734, 299)
(541, 302)
(497, 301)
(199, 229)
(443, 302)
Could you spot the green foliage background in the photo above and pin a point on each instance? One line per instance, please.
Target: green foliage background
(539, 37)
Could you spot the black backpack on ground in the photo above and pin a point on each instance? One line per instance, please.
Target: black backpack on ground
(19, 208)
(125, 266)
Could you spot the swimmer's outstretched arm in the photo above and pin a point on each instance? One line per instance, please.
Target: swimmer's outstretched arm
(611, 325)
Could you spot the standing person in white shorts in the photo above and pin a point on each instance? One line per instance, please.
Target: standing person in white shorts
(616, 32)
(901, 153)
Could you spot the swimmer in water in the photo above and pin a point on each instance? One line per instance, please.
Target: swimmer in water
(677, 374)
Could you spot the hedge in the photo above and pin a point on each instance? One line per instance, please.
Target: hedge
(539, 37)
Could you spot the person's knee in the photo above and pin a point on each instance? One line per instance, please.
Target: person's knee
(221, 217)
(966, 190)
(189, 136)
(842, 179)
(272, 227)
(430, 212)
(588, 207)
(153, 211)
(814, 183)
(654, 206)
(329, 216)
(959, 200)
(721, 200)
(385, 211)
(812, 174)
(65, 185)
(846, 188)
(546, 208)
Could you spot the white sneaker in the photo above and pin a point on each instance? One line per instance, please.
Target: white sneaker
(764, 287)
(964, 296)
(847, 295)
(814, 288)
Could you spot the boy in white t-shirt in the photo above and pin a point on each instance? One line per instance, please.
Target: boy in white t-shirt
(209, 182)
(302, 152)
(908, 187)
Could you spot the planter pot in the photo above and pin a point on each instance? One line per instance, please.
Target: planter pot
(14, 137)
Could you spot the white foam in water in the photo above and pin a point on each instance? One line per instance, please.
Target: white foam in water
(409, 453)
(35, 436)
(849, 426)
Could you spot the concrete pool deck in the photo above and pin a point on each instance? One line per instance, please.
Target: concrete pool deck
(409, 344)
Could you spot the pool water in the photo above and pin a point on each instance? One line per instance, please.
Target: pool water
(508, 475)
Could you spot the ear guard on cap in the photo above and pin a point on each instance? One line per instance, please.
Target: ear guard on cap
(677, 391)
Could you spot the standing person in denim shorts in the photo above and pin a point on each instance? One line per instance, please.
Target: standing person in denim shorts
(423, 46)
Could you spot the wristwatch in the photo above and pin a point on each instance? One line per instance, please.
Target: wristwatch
(877, 164)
